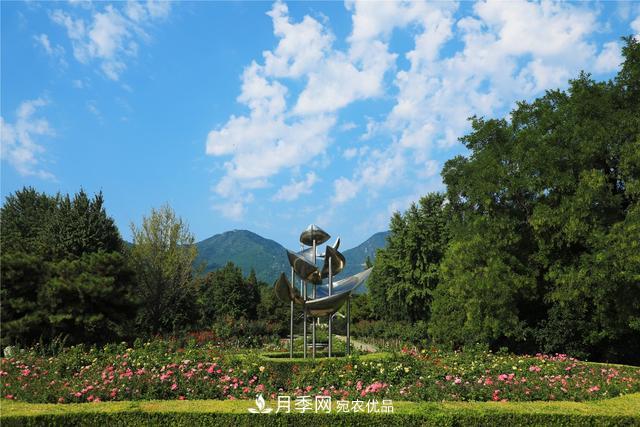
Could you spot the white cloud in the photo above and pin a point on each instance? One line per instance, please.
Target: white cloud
(234, 209)
(273, 137)
(344, 189)
(437, 94)
(51, 50)
(635, 26)
(294, 190)
(350, 153)
(609, 58)
(18, 140)
(301, 48)
(110, 36)
(345, 127)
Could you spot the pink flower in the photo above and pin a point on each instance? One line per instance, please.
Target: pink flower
(61, 400)
(25, 372)
(496, 396)
(534, 368)
(488, 381)
(457, 380)
(594, 389)
(9, 396)
(174, 386)
(181, 397)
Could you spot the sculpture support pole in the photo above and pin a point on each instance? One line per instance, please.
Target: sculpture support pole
(349, 326)
(313, 323)
(291, 320)
(330, 292)
(304, 328)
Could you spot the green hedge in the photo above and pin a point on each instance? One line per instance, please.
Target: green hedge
(282, 368)
(621, 411)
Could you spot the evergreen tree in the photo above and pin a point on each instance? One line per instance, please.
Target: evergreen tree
(63, 271)
(407, 271)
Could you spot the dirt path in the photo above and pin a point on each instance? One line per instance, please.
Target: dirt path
(358, 345)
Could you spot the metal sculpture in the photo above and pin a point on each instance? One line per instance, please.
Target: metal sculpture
(326, 299)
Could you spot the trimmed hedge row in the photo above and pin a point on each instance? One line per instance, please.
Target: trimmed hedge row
(313, 420)
(622, 411)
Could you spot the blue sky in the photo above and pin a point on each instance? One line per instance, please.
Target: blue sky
(270, 116)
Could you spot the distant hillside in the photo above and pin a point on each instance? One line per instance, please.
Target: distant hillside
(357, 256)
(245, 249)
(249, 250)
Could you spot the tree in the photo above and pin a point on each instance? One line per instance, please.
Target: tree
(273, 311)
(225, 293)
(162, 254)
(407, 271)
(544, 249)
(53, 243)
(25, 218)
(90, 299)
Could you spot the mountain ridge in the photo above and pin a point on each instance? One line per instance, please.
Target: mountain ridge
(267, 257)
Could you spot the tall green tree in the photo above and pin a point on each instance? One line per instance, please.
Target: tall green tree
(62, 269)
(225, 293)
(162, 255)
(407, 271)
(544, 248)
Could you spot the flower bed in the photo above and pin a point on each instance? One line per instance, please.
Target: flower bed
(158, 370)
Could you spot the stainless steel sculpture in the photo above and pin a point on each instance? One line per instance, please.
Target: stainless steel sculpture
(327, 298)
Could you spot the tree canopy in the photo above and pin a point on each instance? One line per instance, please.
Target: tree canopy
(63, 269)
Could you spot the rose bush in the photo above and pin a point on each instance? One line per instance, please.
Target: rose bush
(163, 370)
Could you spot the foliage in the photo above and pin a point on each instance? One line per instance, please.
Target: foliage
(391, 334)
(272, 310)
(407, 271)
(63, 269)
(166, 370)
(225, 293)
(162, 255)
(545, 225)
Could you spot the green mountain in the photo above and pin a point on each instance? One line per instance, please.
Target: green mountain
(356, 257)
(245, 249)
(267, 257)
